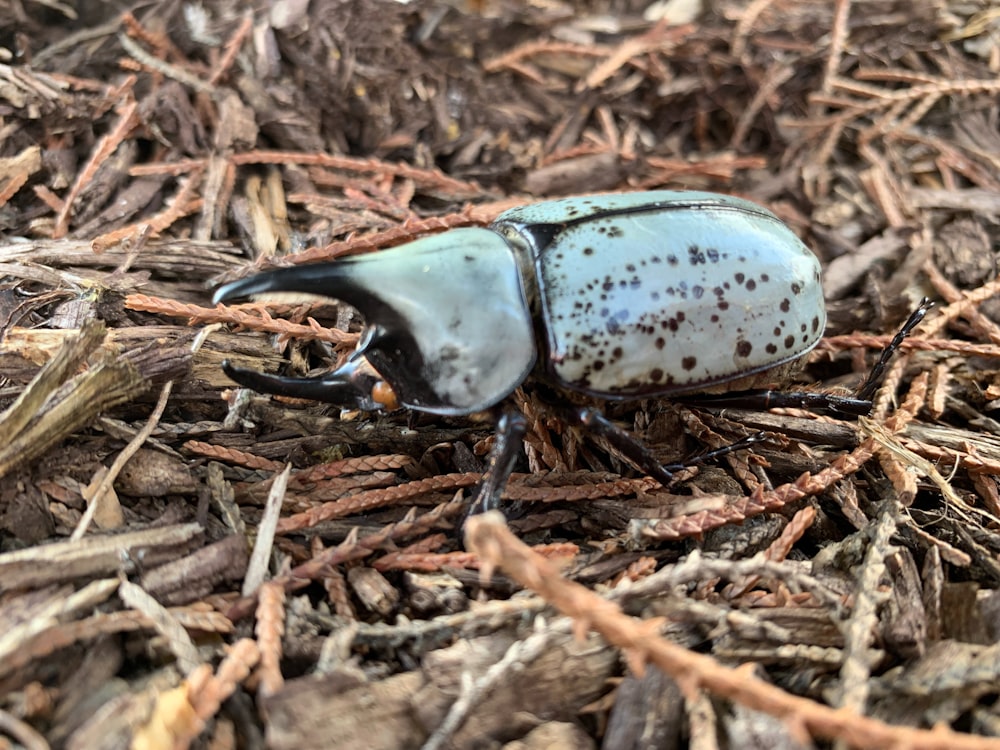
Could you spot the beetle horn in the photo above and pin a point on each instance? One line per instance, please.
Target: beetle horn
(448, 324)
(350, 384)
(324, 279)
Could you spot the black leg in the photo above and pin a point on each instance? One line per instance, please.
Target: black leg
(594, 421)
(761, 400)
(509, 438)
(857, 406)
(637, 452)
(868, 388)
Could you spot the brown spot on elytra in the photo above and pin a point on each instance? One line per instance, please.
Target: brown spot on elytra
(789, 342)
(743, 348)
(771, 349)
(785, 305)
(815, 323)
(660, 342)
(689, 363)
(656, 374)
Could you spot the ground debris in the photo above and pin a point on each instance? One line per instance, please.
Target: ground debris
(840, 582)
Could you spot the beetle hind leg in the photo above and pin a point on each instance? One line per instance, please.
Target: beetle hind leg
(867, 389)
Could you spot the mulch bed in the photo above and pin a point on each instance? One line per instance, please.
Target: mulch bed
(185, 563)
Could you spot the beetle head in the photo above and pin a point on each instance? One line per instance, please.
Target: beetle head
(448, 327)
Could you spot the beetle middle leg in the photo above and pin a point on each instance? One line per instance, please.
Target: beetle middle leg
(633, 449)
(510, 430)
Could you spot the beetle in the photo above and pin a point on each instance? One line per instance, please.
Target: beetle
(611, 297)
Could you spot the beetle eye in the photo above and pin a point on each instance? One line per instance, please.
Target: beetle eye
(383, 395)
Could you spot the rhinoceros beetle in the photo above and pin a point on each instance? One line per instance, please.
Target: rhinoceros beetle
(612, 297)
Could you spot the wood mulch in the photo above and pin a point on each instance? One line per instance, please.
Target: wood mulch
(184, 563)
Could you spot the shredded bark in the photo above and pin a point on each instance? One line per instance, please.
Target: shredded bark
(185, 563)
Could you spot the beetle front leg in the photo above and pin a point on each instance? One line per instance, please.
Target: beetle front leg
(509, 438)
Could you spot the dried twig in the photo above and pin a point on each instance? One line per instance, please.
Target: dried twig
(641, 643)
(237, 315)
(127, 119)
(270, 629)
(261, 555)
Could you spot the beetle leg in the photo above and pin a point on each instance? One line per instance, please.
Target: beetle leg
(630, 447)
(766, 399)
(741, 444)
(857, 406)
(509, 437)
(640, 454)
(874, 379)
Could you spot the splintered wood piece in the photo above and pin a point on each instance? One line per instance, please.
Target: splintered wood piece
(375, 592)
(561, 676)
(96, 555)
(193, 576)
(647, 713)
